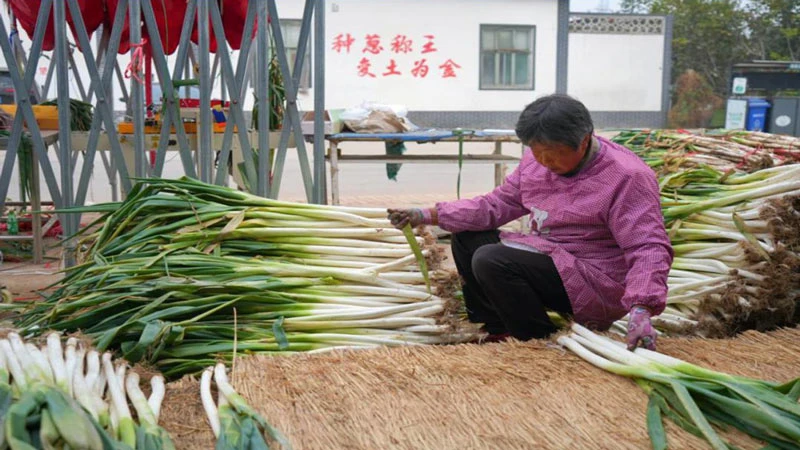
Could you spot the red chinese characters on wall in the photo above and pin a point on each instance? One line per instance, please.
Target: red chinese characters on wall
(420, 69)
(449, 69)
(373, 44)
(363, 68)
(391, 69)
(399, 44)
(402, 44)
(343, 42)
(428, 47)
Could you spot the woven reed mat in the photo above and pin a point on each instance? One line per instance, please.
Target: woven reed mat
(512, 395)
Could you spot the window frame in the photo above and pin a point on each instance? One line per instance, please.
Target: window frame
(309, 53)
(484, 86)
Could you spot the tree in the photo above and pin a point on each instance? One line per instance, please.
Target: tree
(635, 6)
(695, 102)
(774, 29)
(708, 36)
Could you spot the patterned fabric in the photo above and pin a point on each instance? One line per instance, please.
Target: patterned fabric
(602, 226)
(640, 329)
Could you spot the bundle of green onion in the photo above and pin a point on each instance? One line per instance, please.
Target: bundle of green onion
(81, 113)
(235, 424)
(54, 397)
(183, 273)
(735, 234)
(695, 398)
(669, 150)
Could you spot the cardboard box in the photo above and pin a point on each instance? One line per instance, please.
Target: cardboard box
(333, 124)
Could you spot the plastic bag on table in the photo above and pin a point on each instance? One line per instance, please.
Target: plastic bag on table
(377, 118)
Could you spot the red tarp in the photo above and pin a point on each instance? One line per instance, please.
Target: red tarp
(234, 14)
(111, 12)
(169, 20)
(169, 16)
(26, 12)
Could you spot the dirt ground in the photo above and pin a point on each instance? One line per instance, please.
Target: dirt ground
(25, 279)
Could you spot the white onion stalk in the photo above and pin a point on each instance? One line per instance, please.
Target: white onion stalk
(55, 357)
(93, 370)
(139, 400)
(14, 365)
(30, 367)
(157, 393)
(208, 401)
(120, 410)
(83, 394)
(42, 364)
(70, 361)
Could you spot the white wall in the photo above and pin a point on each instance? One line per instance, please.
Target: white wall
(456, 27)
(616, 72)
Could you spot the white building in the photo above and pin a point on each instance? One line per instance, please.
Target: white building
(472, 63)
(477, 63)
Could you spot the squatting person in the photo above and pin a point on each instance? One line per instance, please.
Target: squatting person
(597, 248)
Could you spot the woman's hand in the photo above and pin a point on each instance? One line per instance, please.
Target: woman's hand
(640, 329)
(402, 217)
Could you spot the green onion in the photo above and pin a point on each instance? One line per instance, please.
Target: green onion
(695, 397)
(234, 423)
(729, 205)
(164, 275)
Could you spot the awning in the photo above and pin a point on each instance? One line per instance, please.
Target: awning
(169, 16)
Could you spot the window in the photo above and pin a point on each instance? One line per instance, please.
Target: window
(507, 57)
(291, 37)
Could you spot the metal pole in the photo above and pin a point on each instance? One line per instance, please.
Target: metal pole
(136, 94)
(172, 116)
(236, 113)
(320, 194)
(204, 132)
(103, 107)
(667, 69)
(62, 82)
(76, 74)
(562, 46)
(35, 200)
(262, 92)
(291, 115)
(22, 83)
(22, 59)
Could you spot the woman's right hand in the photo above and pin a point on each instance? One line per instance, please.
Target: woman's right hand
(402, 217)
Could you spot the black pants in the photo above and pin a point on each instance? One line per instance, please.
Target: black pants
(507, 289)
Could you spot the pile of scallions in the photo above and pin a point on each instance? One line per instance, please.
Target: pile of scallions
(72, 397)
(183, 274)
(731, 204)
(695, 398)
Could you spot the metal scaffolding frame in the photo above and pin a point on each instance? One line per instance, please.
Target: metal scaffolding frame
(102, 67)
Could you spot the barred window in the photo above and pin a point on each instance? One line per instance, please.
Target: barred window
(507, 57)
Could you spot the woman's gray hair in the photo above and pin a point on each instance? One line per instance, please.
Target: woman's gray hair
(555, 119)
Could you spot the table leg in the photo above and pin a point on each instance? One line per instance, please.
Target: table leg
(499, 168)
(334, 156)
(36, 218)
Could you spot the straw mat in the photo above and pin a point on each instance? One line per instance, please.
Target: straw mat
(513, 395)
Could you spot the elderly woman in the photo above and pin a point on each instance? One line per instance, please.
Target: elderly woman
(597, 248)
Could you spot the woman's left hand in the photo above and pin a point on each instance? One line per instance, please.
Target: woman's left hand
(640, 329)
